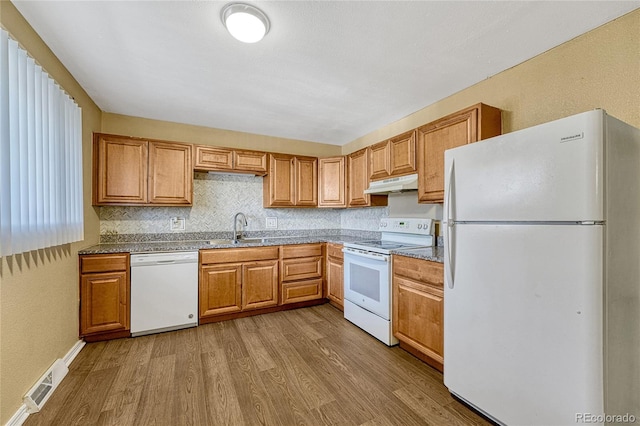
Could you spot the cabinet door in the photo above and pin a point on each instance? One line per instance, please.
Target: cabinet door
(220, 289)
(120, 170)
(402, 150)
(104, 303)
(332, 182)
(335, 279)
(469, 125)
(170, 173)
(279, 184)
(210, 158)
(259, 284)
(379, 155)
(418, 316)
(250, 161)
(358, 181)
(306, 173)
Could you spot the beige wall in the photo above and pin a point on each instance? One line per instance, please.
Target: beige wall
(599, 69)
(39, 290)
(154, 129)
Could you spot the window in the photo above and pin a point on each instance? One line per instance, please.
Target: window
(40, 156)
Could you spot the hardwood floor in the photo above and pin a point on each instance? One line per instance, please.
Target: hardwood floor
(300, 367)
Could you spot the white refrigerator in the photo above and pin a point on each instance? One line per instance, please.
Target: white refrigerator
(542, 273)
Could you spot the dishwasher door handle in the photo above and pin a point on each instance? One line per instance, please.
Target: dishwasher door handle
(164, 262)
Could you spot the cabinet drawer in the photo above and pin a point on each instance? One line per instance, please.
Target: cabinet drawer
(301, 291)
(335, 250)
(104, 263)
(245, 254)
(419, 270)
(301, 250)
(301, 268)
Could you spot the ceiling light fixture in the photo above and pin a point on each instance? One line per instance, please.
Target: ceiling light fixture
(245, 22)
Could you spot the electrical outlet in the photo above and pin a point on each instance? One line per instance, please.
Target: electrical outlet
(177, 223)
(271, 223)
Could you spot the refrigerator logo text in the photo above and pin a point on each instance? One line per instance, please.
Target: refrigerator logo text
(571, 137)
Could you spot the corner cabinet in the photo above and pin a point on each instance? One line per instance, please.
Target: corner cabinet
(463, 127)
(104, 296)
(292, 181)
(133, 171)
(335, 275)
(418, 308)
(358, 181)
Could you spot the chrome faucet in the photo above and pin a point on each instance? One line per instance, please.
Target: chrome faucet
(235, 227)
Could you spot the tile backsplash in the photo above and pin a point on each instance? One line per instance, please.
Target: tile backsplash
(218, 197)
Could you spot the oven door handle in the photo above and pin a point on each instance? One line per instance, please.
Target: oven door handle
(380, 257)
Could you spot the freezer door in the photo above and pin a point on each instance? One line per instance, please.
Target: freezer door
(523, 321)
(550, 172)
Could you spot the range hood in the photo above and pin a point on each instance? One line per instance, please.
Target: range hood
(397, 184)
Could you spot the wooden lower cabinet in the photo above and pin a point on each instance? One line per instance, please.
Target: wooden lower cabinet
(250, 280)
(335, 275)
(418, 308)
(301, 273)
(104, 296)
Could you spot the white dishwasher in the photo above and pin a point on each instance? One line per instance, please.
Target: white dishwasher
(164, 292)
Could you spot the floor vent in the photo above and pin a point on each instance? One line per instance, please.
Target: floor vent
(40, 393)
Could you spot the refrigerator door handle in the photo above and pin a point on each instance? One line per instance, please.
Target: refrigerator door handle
(449, 226)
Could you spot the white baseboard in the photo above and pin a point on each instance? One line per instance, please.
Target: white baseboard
(21, 415)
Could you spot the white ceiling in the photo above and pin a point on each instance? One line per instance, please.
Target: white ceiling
(328, 71)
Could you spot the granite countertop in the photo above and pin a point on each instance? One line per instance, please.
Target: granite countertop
(165, 246)
(434, 254)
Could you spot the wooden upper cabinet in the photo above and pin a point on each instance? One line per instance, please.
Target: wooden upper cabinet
(332, 182)
(306, 181)
(394, 157)
(170, 173)
(119, 170)
(134, 171)
(358, 181)
(292, 181)
(379, 161)
(402, 149)
(210, 158)
(250, 161)
(469, 125)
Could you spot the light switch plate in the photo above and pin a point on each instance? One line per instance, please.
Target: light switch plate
(177, 223)
(271, 223)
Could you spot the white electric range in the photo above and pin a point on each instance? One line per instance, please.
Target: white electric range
(367, 273)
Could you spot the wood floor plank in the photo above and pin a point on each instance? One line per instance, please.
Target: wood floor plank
(188, 387)
(252, 395)
(155, 407)
(220, 395)
(298, 367)
(85, 409)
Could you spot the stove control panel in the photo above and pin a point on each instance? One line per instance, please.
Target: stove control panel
(407, 225)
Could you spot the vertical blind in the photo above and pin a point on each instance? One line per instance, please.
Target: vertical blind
(40, 156)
